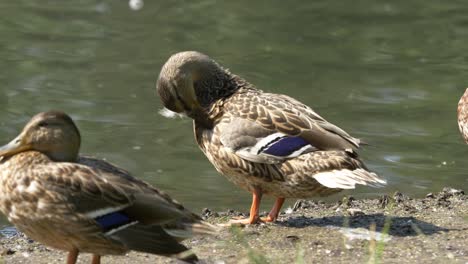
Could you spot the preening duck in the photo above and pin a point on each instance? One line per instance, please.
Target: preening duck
(265, 143)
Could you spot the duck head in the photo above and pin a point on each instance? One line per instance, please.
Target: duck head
(189, 82)
(52, 133)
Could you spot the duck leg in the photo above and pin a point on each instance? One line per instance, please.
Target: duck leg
(96, 259)
(273, 215)
(72, 256)
(253, 218)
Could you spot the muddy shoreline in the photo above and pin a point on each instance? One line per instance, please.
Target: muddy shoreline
(390, 229)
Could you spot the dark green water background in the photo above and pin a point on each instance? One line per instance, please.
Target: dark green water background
(390, 73)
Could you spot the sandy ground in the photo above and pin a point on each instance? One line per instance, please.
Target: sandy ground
(391, 229)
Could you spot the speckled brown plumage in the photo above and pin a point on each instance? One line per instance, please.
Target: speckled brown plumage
(59, 202)
(462, 112)
(263, 142)
(291, 178)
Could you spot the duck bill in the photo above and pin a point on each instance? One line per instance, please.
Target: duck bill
(12, 148)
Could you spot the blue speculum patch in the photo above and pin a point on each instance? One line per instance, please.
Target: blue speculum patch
(113, 220)
(286, 146)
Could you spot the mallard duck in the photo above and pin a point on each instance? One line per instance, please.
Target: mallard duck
(268, 144)
(462, 112)
(82, 204)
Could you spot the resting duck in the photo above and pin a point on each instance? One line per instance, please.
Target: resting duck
(265, 143)
(82, 204)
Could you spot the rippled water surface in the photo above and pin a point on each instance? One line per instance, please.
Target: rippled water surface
(389, 73)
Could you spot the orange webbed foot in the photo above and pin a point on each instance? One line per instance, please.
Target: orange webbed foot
(239, 221)
(268, 219)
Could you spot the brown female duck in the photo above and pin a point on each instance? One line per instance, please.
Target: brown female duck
(81, 204)
(265, 143)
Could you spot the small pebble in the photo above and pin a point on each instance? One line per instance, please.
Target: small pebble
(355, 211)
(292, 238)
(8, 251)
(384, 200)
(455, 191)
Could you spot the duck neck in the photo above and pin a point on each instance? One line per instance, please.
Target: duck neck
(63, 156)
(218, 86)
(202, 118)
(228, 84)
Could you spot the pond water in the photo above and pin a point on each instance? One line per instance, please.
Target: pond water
(389, 73)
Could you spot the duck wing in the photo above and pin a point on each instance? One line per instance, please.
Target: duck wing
(270, 128)
(101, 200)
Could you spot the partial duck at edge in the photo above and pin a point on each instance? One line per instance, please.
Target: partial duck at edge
(82, 204)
